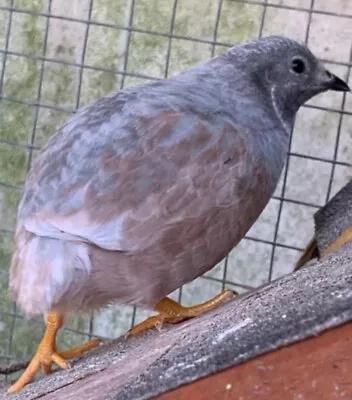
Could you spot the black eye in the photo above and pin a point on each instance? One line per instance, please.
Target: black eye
(298, 65)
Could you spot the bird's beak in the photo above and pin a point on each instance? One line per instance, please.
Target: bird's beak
(333, 82)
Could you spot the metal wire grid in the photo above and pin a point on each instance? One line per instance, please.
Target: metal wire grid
(124, 72)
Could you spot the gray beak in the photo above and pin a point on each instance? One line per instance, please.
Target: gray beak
(335, 83)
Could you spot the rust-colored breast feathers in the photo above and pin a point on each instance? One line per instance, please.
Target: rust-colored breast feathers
(178, 168)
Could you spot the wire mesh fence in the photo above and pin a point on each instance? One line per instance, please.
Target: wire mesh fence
(57, 55)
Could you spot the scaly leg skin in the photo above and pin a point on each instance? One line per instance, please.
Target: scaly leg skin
(172, 312)
(47, 354)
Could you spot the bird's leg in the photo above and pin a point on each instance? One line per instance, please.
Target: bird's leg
(172, 312)
(47, 353)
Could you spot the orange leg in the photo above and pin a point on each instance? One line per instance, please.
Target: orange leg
(172, 312)
(47, 354)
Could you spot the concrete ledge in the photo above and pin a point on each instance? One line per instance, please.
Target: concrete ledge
(296, 307)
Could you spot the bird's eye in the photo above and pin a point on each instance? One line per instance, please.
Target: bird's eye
(298, 65)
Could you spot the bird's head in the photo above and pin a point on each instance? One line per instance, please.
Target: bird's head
(287, 70)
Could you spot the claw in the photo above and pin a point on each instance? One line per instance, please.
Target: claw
(47, 354)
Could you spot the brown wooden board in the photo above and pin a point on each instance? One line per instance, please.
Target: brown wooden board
(314, 369)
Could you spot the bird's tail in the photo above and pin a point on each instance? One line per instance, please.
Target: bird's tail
(42, 270)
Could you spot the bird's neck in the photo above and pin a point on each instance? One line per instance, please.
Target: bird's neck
(283, 113)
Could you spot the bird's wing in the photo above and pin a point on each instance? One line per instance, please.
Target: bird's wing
(119, 184)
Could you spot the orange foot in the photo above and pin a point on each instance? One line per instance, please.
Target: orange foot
(172, 312)
(47, 354)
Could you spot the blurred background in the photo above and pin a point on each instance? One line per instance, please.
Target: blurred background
(58, 55)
